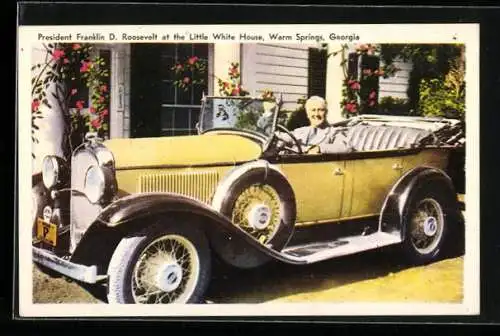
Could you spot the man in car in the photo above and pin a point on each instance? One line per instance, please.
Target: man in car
(320, 136)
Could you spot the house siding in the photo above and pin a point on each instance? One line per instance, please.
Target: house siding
(397, 85)
(281, 68)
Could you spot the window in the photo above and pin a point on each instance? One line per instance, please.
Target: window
(180, 108)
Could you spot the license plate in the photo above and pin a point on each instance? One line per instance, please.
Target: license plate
(46, 232)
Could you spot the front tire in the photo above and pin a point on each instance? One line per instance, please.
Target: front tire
(161, 264)
(428, 219)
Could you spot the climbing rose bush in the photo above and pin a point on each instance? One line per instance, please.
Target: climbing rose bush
(66, 68)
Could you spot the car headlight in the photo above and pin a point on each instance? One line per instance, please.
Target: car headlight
(99, 184)
(53, 171)
(104, 157)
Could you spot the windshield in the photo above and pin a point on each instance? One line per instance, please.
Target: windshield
(248, 115)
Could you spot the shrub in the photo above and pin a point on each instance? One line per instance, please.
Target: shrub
(443, 97)
(394, 106)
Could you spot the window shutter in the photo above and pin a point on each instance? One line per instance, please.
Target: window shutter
(361, 69)
(317, 72)
(370, 83)
(352, 66)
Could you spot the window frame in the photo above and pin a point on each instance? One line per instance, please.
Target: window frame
(177, 56)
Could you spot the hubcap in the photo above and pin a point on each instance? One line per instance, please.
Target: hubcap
(259, 216)
(167, 271)
(427, 226)
(169, 277)
(430, 226)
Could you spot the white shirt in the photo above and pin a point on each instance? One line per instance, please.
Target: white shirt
(329, 139)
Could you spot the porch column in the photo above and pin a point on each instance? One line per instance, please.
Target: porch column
(334, 79)
(50, 132)
(224, 54)
(120, 91)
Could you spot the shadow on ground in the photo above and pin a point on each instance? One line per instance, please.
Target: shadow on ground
(276, 280)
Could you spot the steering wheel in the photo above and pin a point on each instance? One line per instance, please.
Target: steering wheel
(290, 134)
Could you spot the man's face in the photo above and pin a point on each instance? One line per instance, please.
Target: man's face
(316, 112)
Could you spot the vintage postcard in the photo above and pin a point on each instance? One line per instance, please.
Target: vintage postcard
(248, 170)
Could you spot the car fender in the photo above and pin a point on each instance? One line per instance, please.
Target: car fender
(237, 173)
(396, 202)
(123, 216)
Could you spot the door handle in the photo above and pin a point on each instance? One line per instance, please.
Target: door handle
(397, 166)
(338, 171)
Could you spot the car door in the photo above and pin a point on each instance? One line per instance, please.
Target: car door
(318, 183)
(368, 179)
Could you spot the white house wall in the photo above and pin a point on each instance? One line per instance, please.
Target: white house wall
(397, 85)
(334, 82)
(223, 54)
(282, 68)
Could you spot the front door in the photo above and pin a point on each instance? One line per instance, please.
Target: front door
(318, 185)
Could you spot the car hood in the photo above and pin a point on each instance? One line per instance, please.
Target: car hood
(189, 150)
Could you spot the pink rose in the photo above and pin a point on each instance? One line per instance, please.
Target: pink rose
(193, 60)
(57, 54)
(96, 123)
(355, 85)
(35, 104)
(85, 66)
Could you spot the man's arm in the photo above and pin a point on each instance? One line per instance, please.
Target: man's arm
(338, 143)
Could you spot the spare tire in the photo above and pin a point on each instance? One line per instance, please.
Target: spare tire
(262, 203)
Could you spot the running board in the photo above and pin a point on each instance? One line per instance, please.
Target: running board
(314, 252)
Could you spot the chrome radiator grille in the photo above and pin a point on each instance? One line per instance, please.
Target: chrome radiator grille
(199, 185)
(83, 213)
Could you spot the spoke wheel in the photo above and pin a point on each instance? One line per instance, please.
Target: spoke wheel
(161, 265)
(166, 272)
(429, 219)
(427, 225)
(261, 203)
(257, 210)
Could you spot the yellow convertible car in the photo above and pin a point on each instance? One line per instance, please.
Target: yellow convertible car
(146, 217)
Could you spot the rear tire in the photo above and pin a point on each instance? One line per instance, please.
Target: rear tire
(428, 221)
(161, 264)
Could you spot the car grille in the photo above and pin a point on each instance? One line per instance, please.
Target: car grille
(198, 185)
(83, 213)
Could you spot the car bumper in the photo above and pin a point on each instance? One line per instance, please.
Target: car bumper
(83, 273)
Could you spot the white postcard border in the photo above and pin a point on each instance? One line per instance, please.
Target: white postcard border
(392, 33)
